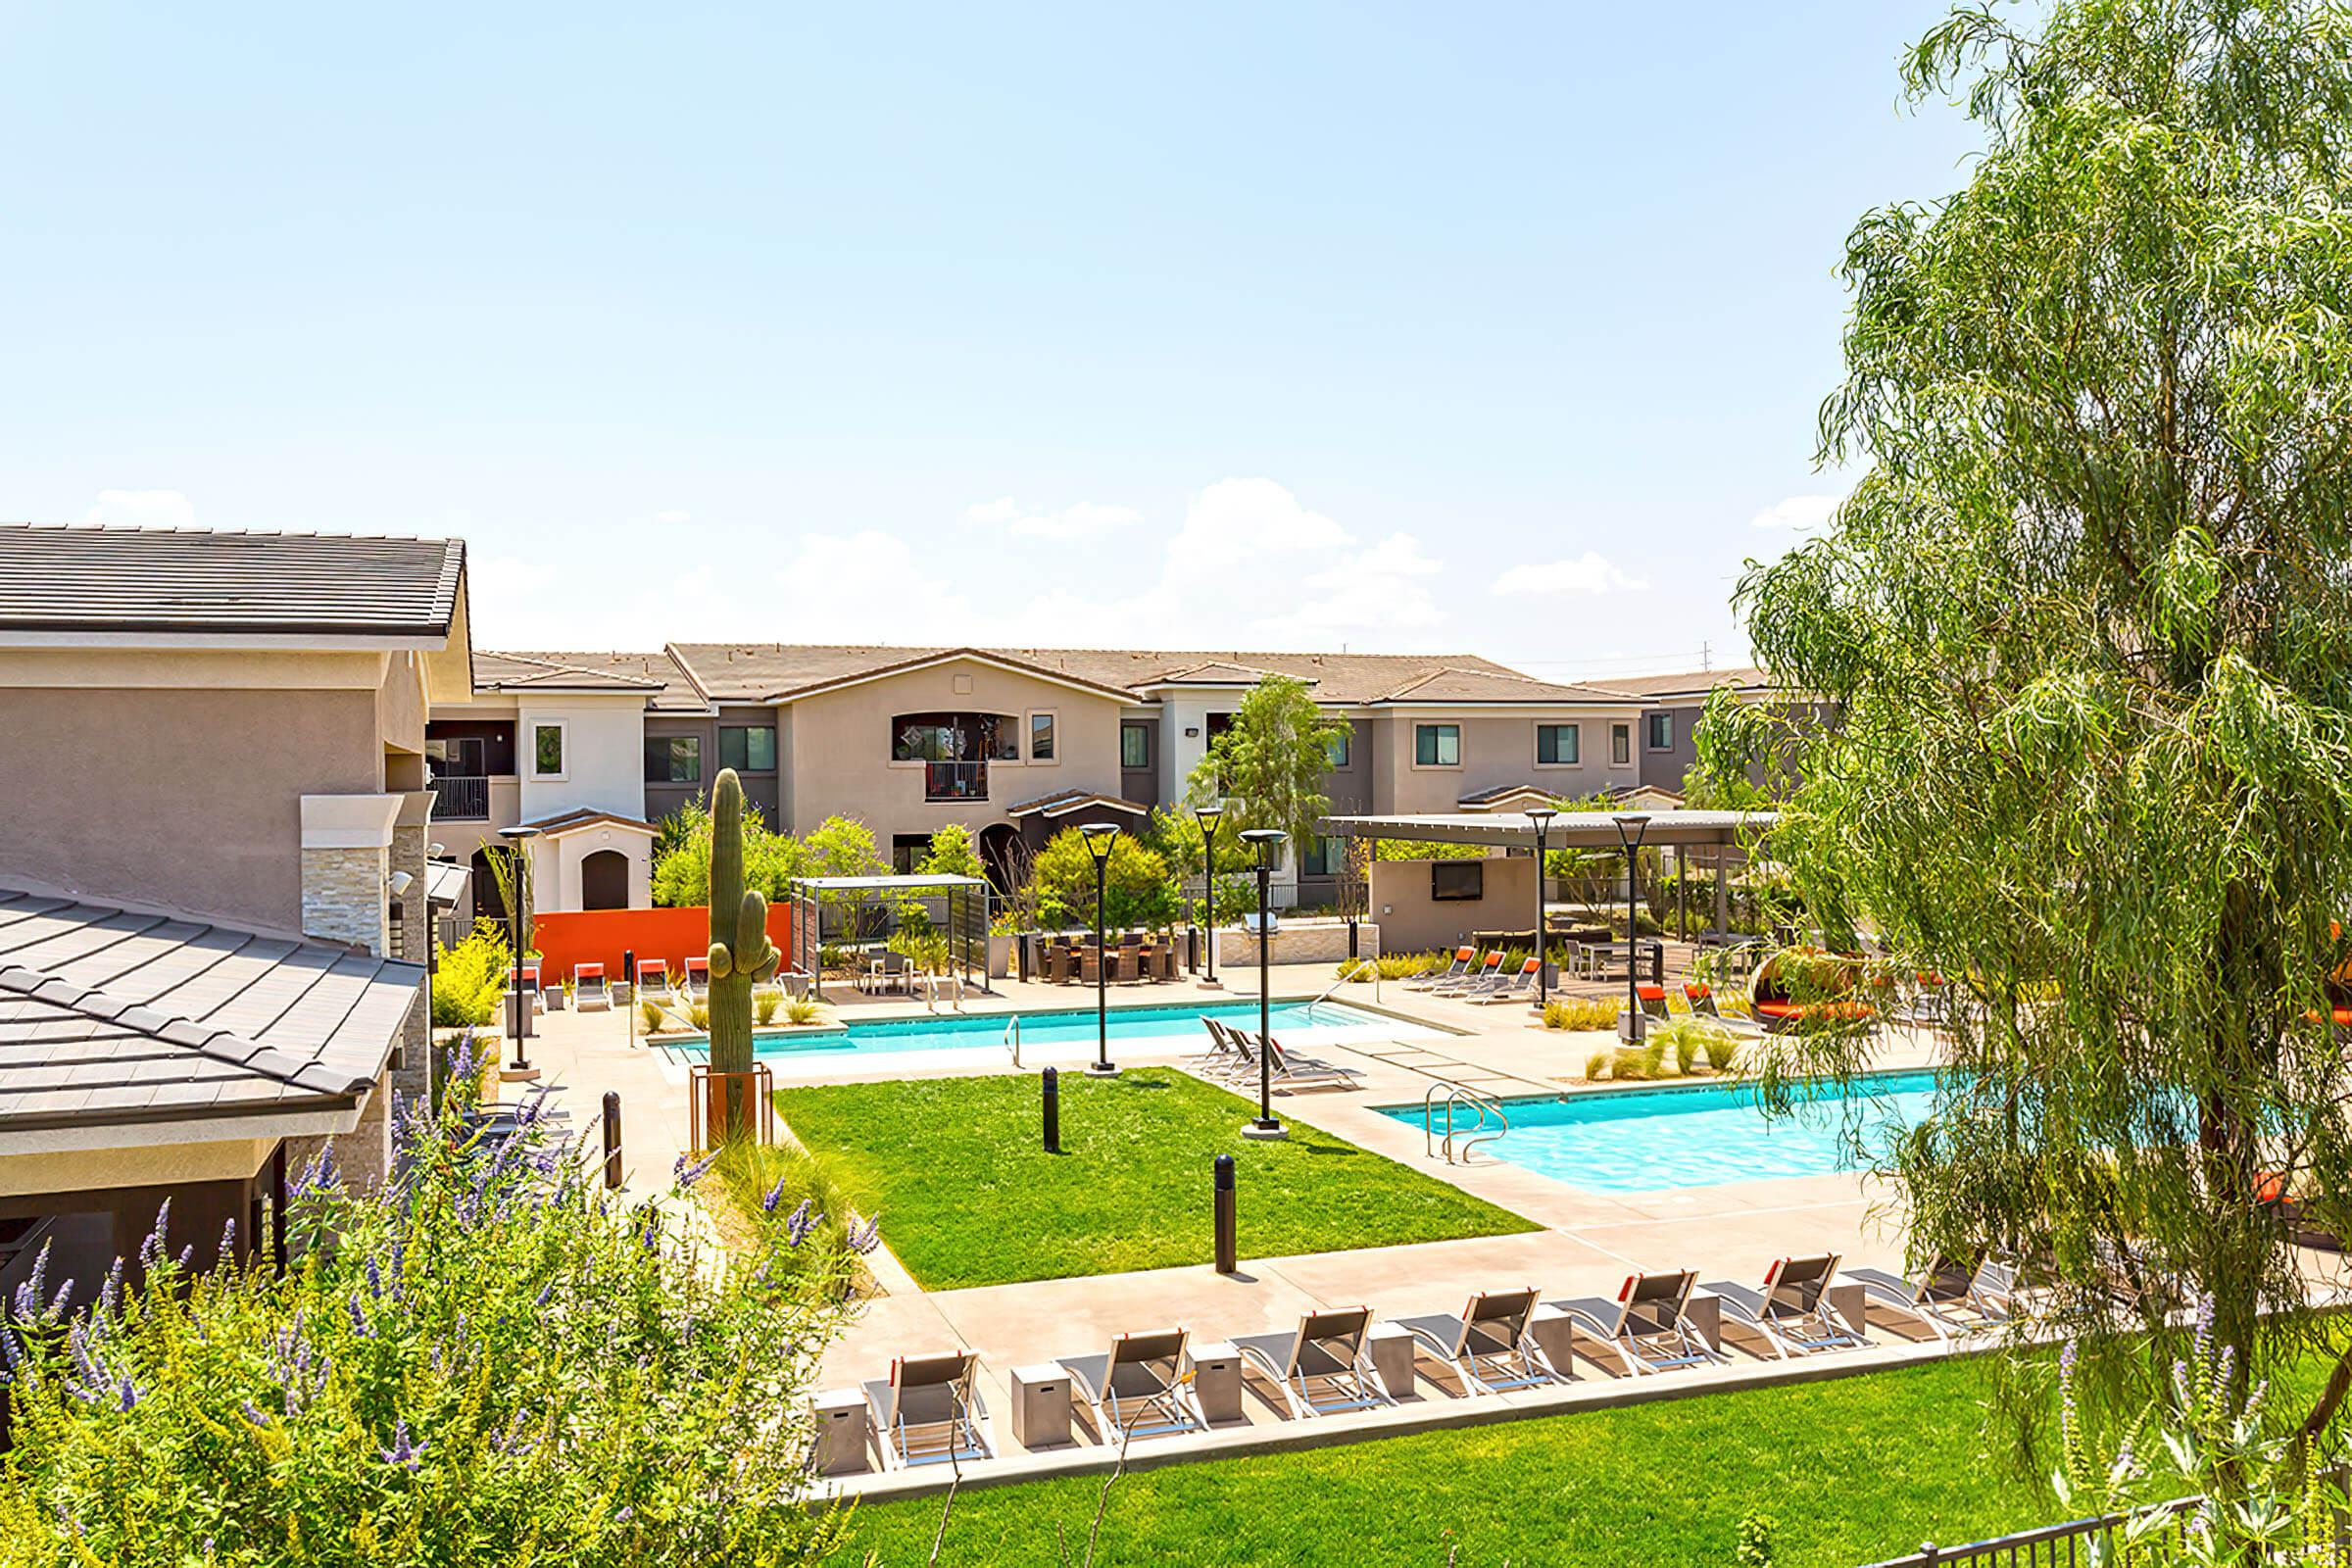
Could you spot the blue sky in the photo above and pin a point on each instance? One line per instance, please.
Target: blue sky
(1417, 328)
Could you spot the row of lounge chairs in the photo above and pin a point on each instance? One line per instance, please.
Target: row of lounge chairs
(1470, 978)
(1235, 1053)
(928, 1408)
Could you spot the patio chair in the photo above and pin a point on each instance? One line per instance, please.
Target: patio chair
(1653, 1003)
(1330, 1349)
(1516, 987)
(698, 976)
(1948, 1296)
(888, 974)
(1488, 1345)
(1301, 1071)
(526, 978)
(589, 993)
(1130, 960)
(1646, 1326)
(1485, 977)
(1792, 1311)
(1059, 967)
(1143, 1377)
(1459, 970)
(1701, 998)
(651, 980)
(939, 1392)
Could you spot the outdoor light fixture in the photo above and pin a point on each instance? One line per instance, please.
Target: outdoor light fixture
(1101, 839)
(1541, 817)
(519, 1021)
(1630, 828)
(1267, 841)
(1208, 817)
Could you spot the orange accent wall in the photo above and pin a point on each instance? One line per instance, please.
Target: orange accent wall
(602, 936)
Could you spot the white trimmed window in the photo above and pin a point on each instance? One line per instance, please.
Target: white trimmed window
(547, 747)
(1559, 745)
(1041, 737)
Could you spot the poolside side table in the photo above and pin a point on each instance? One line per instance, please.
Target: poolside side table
(1217, 1380)
(1392, 1358)
(843, 1424)
(1554, 1333)
(1041, 1405)
(1705, 1310)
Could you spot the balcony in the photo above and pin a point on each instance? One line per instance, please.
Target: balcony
(460, 797)
(955, 781)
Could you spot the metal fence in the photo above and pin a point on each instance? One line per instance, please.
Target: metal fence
(2081, 1541)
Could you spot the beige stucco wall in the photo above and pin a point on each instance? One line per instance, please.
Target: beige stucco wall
(1496, 750)
(185, 798)
(839, 757)
(1411, 922)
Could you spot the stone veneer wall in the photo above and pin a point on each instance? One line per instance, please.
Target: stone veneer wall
(1296, 942)
(346, 896)
(412, 1072)
(343, 897)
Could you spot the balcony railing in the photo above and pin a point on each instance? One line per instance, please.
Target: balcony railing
(457, 798)
(955, 781)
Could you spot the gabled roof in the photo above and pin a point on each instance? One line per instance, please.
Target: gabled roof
(186, 580)
(668, 688)
(1214, 672)
(1453, 684)
(1693, 683)
(1063, 803)
(787, 672)
(1480, 799)
(580, 816)
(112, 1016)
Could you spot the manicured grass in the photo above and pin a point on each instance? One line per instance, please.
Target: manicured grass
(1851, 1471)
(967, 1196)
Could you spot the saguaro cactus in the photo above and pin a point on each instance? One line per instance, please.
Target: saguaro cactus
(741, 956)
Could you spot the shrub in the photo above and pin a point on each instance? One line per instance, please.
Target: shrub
(470, 977)
(1723, 1051)
(800, 1011)
(493, 1362)
(1630, 1061)
(764, 1002)
(1581, 1013)
(649, 1012)
(1654, 1056)
(1137, 891)
(698, 1014)
(1596, 1066)
(767, 1194)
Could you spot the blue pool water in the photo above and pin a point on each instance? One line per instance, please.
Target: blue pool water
(1638, 1141)
(1065, 1026)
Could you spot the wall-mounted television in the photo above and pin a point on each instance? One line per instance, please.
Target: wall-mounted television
(1457, 881)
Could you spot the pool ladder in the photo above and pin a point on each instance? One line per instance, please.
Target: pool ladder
(1452, 1096)
(1013, 1038)
(1348, 971)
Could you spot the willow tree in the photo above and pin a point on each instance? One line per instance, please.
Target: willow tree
(1271, 760)
(2086, 628)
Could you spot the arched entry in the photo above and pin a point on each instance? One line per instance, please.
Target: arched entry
(1000, 844)
(605, 880)
(488, 902)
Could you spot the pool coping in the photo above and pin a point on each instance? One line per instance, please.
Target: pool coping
(1641, 1091)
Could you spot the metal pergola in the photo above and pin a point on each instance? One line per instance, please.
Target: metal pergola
(960, 905)
(1678, 830)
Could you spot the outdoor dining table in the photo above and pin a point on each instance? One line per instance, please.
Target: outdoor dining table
(1608, 960)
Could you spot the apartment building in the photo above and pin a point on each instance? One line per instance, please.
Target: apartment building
(591, 750)
(213, 888)
(1672, 705)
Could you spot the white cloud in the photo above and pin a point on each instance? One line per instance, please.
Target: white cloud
(673, 516)
(141, 509)
(1589, 574)
(1086, 519)
(1801, 512)
(866, 586)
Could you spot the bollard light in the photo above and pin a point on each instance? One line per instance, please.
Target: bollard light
(1228, 1219)
(1050, 1083)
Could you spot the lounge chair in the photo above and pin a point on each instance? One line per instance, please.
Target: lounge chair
(698, 976)
(589, 993)
(1224, 1053)
(1141, 1377)
(1514, 988)
(1490, 1343)
(525, 978)
(1328, 1347)
(1485, 977)
(1463, 959)
(1792, 1311)
(652, 978)
(1949, 1296)
(1653, 1003)
(1701, 998)
(937, 1392)
(1301, 1071)
(1646, 1325)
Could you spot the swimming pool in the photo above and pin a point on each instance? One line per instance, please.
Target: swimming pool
(1068, 1033)
(1645, 1140)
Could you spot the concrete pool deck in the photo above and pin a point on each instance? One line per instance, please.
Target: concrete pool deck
(1587, 1244)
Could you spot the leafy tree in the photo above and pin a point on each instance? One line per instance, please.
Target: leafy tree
(1271, 763)
(2086, 624)
(1138, 890)
(839, 846)
(952, 853)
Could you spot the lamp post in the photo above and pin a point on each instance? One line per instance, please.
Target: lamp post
(1266, 841)
(518, 840)
(1101, 839)
(1541, 817)
(1630, 828)
(1208, 817)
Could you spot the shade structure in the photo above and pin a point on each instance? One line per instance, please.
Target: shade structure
(966, 909)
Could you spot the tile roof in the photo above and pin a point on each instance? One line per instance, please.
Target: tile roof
(108, 1016)
(668, 687)
(1061, 802)
(190, 580)
(757, 671)
(1692, 682)
(580, 816)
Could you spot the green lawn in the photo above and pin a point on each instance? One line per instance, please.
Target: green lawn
(967, 1196)
(1852, 1470)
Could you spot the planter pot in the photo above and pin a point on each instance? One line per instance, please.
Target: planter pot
(1000, 956)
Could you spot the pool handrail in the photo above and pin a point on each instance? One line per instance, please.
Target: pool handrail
(1346, 971)
(1472, 1136)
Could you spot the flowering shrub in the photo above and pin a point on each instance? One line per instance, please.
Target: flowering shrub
(472, 976)
(485, 1360)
